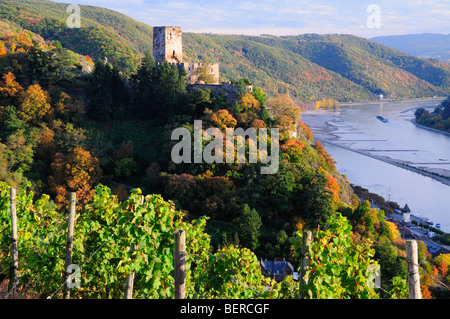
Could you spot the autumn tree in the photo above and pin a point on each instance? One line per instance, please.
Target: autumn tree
(257, 124)
(9, 87)
(46, 147)
(248, 102)
(182, 189)
(222, 119)
(442, 262)
(331, 187)
(76, 172)
(306, 131)
(328, 104)
(282, 104)
(62, 105)
(325, 157)
(293, 149)
(34, 104)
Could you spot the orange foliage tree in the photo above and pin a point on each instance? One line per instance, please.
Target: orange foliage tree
(443, 268)
(9, 87)
(306, 130)
(76, 172)
(332, 187)
(257, 124)
(325, 156)
(425, 292)
(293, 148)
(222, 119)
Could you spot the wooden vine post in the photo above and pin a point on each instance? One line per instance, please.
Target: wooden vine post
(69, 244)
(14, 249)
(130, 277)
(180, 264)
(304, 263)
(413, 270)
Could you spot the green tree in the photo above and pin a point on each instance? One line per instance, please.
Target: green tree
(259, 94)
(106, 92)
(265, 116)
(387, 255)
(145, 84)
(249, 223)
(317, 201)
(170, 89)
(278, 190)
(11, 122)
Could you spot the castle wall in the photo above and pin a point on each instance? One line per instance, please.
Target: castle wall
(192, 71)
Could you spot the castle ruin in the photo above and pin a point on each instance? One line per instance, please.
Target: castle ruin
(168, 46)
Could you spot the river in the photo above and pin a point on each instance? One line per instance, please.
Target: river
(371, 154)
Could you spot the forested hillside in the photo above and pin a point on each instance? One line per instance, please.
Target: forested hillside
(425, 45)
(438, 119)
(308, 67)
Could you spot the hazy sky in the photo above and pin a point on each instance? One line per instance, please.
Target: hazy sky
(287, 17)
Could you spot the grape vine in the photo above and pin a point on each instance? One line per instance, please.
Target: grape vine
(105, 230)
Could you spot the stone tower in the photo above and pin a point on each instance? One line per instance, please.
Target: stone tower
(167, 44)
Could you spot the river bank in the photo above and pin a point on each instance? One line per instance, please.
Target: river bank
(323, 123)
(429, 128)
(401, 164)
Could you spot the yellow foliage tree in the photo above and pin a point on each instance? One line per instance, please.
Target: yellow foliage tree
(247, 102)
(282, 104)
(34, 104)
(328, 104)
(393, 231)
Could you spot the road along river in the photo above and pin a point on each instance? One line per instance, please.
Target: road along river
(397, 160)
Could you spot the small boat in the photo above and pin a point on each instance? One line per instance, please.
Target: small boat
(382, 119)
(438, 226)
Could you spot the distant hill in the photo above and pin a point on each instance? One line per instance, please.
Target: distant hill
(425, 45)
(308, 67)
(312, 66)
